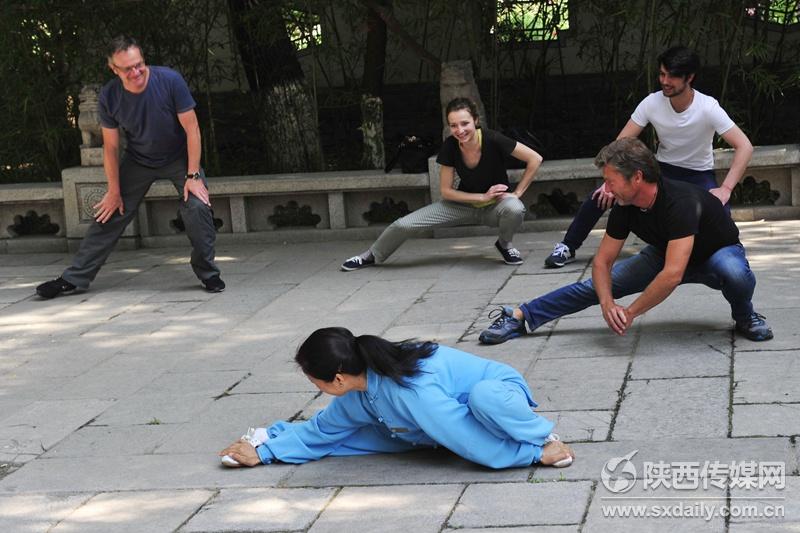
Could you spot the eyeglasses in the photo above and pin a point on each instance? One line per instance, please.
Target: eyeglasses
(127, 70)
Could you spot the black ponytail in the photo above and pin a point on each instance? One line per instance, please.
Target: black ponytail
(329, 351)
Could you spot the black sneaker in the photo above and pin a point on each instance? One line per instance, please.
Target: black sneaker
(560, 256)
(755, 328)
(511, 256)
(356, 262)
(214, 284)
(51, 289)
(505, 327)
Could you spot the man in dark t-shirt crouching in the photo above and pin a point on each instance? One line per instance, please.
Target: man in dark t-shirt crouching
(690, 237)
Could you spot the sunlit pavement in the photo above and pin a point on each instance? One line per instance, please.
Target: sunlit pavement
(114, 402)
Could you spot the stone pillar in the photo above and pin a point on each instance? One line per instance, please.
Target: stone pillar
(336, 211)
(433, 179)
(84, 186)
(238, 214)
(89, 123)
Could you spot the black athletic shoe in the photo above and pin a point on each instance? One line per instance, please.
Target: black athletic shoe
(356, 262)
(51, 289)
(560, 256)
(214, 284)
(511, 256)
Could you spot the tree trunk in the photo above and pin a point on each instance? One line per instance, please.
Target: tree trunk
(373, 155)
(457, 80)
(375, 52)
(287, 113)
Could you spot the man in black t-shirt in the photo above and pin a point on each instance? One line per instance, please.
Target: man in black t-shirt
(690, 238)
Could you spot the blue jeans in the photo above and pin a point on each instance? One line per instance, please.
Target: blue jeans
(588, 214)
(727, 271)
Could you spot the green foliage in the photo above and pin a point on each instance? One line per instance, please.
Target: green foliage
(50, 48)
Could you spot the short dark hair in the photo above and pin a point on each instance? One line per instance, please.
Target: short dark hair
(120, 43)
(461, 102)
(628, 155)
(680, 61)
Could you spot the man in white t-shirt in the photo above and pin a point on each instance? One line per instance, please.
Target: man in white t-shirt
(685, 121)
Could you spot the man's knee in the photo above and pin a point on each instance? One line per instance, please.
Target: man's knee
(732, 268)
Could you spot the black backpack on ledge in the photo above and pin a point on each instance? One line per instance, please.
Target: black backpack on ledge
(412, 153)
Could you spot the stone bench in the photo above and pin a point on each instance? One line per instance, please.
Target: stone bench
(243, 205)
(326, 205)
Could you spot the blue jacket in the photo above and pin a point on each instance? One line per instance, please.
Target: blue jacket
(431, 410)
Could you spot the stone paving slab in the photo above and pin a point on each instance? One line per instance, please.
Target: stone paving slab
(762, 377)
(787, 497)
(40, 425)
(519, 504)
(591, 457)
(136, 472)
(600, 378)
(669, 510)
(524, 529)
(228, 418)
(449, 333)
(424, 466)
(574, 426)
(449, 306)
(418, 508)
(114, 442)
(665, 408)
(35, 513)
(784, 326)
(260, 510)
(161, 408)
(766, 420)
(134, 512)
(521, 289)
(155, 348)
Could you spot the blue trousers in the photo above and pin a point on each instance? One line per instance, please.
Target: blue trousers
(501, 407)
(727, 271)
(588, 213)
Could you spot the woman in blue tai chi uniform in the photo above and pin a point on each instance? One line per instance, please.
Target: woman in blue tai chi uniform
(395, 397)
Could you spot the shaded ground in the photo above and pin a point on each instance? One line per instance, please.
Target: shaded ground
(113, 402)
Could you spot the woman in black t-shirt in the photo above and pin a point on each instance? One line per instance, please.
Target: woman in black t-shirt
(482, 196)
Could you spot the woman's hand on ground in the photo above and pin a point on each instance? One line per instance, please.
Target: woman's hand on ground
(243, 452)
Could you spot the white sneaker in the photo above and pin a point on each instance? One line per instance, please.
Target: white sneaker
(255, 436)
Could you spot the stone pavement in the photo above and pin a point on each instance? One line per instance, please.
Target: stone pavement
(114, 402)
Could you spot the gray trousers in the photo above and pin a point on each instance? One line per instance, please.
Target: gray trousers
(134, 181)
(506, 214)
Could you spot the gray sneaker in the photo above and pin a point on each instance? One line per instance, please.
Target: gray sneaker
(505, 327)
(755, 328)
(560, 256)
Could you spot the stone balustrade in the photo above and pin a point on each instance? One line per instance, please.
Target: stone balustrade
(325, 205)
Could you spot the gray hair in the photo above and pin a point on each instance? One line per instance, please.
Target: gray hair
(628, 155)
(120, 43)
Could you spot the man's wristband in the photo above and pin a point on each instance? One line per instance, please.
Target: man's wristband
(193, 176)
